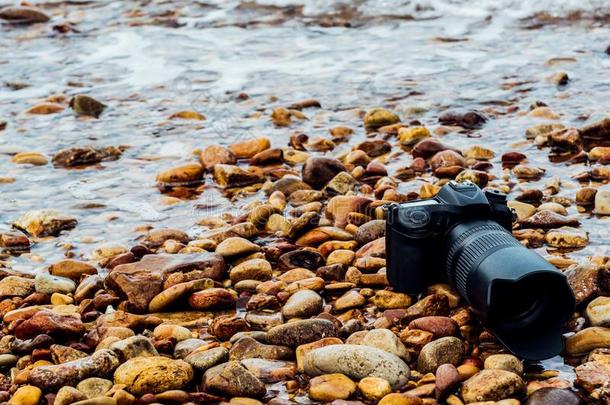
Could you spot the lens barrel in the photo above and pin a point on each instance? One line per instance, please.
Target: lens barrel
(519, 295)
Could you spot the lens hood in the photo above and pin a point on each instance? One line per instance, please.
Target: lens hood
(522, 298)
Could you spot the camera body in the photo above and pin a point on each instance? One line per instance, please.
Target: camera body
(416, 230)
(463, 237)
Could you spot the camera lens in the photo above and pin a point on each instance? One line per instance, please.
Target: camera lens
(520, 308)
(520, 296)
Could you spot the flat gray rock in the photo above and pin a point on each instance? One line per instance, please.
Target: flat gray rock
(357, 362)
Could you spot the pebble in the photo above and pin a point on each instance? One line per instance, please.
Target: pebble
(318, 171)
(26, 395)
(45, 283)
(447, 377)
(229, 176)
(592, 375)
(379, 117)
(84, 156)
(492, 385)
(246, 149)
(411, 135)
(567, 237)
(23, 15)
(374, 388)
(165, 331)
(553, 396)
(202, 360)
(523, 210)
(357, 362)
(94, 387)
(212, 299)
(302, 304)
(548, 219)
(587, 281)
(602, 201)
(234, 380)
(506, 362)
(14, 286)
(400, 399)
(464, 119)
(236, 246)
(441, 351)
(439, 326)
(50, 323)
(68, 395)
(41, 223)
(254, 269)
(588, 339)
(154, 374)
(370, 231)
(598, 311)
(8, 359)
(134, 346)
(30, 158)
(385, 299)
(215, 154)
(142, 281)
(248, 347)
(296, 333)
(329, 387)
(386, 340)
(351, 299)
(101, 363)
(85, 105)
(72, 269)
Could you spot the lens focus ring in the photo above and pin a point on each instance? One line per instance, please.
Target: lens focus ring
(467, 244)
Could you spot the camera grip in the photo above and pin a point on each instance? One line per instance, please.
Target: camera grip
(405, 262)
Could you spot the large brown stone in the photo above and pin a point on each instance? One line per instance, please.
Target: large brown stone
(588, 281)
(233, 379)
(99, 364)
(50, 323)
(319, 170)
(139, 282)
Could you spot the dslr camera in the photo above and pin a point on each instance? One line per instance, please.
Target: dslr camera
(463, 237)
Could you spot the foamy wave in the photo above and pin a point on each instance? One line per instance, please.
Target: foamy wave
(483, 8)
(465, 8)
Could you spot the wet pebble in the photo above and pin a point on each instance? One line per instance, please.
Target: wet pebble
(329, 387)
(236, 246)
(374, 388)
(602, 201)
(379, 117)
(302, 304)
(101, 363)
(552, 396)
(386, 340)
(567, 237)
(296, 333)
(441, 351)
(318, 171)
(23, 15)
(202, 360)
(44, 222)
(598, 311)
(233, 379)
(153, 374)
(85, 105)
(506, 362)
(588, 339)
(357, 362)
(492, 385)
(45, 283)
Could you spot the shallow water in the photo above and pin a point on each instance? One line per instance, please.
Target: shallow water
(149, 59)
